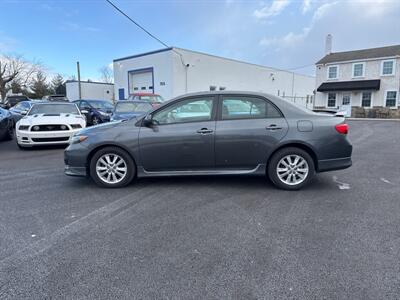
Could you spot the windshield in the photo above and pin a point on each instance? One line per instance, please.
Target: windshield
(129, 107)
(98, 104)
(54, 109)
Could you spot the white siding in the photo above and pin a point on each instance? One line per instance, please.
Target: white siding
(162, 72)
(89, 90)
(173, 78)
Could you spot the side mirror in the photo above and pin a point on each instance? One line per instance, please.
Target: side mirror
(148, 121)
(24, 112)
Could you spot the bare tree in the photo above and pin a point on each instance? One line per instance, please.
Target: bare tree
(106, 74)
(16, 68)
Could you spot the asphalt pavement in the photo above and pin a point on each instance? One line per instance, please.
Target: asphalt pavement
(203, 237)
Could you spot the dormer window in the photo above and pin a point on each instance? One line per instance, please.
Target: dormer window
(333, 72)
(358, 70)
(387, 67)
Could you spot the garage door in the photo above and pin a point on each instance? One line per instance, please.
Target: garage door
(141, 81)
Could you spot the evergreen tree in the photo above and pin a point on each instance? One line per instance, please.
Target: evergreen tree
(58, 85)
(39, 87)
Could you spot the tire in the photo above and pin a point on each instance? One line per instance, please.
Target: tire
(9, 135)
(95, 120)
(106, 172)
(290, 176)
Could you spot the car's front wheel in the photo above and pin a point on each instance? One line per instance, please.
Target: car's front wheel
(95, 120)
(112, 167)
(291, 168)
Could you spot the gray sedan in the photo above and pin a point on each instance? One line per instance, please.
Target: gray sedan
(214, 133)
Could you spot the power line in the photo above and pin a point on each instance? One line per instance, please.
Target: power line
(137, 24)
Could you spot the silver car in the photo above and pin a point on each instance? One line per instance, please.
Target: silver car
(214, 133)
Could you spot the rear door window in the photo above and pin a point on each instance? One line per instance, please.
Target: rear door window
(242, 107)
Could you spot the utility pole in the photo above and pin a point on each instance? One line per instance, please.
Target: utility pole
(79, 80)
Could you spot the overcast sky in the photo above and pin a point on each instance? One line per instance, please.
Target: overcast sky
(279, 33)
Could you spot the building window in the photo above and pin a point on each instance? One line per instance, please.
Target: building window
(366, 99)
(331, 99)
(358, 69)
(387, 67)
(346, 99)
(333, 72)
(391, 98)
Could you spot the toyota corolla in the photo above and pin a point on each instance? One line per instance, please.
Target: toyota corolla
(214, 133)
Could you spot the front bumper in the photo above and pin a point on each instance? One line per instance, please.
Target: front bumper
(75, 160)
(334, 164)
(75, 171)
(31, 138)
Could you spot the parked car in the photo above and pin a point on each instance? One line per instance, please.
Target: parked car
(154, 99)
(56, 98)
(21, 109)
(49, 123)
(268, 136)
(10, 101)
(125, 110)
(96, 111)
(6, 125)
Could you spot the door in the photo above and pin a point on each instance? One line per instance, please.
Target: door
(247, 129)
(181, 136)
(121, 94)
(141, 81)
(346, 104)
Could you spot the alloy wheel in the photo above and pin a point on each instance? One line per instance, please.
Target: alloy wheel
(292, 169)
(111, 168)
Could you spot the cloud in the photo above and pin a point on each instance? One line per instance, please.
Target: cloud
(306, 6)
(71, 26)
(292, 39)
(274, 9)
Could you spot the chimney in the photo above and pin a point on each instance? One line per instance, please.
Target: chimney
(328, 44)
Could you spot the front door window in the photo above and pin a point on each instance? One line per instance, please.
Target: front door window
(346, 99)
(191, 110)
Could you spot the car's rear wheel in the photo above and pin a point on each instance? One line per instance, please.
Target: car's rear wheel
(291, 168)
(112, 167)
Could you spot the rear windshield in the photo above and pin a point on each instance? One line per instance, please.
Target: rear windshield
(127, 107)
(54, 109)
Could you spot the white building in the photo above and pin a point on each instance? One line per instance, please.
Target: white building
(363, 81)
(89, 90)
(171, 72)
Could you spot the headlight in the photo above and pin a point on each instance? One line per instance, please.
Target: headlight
(63, 127)
(23, 127)
(77, 139)
(76, 126)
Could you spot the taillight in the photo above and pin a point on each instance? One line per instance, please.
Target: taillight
(342, 128)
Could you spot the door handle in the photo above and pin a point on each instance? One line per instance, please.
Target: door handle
(205, 131)
(273, 127)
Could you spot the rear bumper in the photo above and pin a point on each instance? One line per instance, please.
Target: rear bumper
(334, 164)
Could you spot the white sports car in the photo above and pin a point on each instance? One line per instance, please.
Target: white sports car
(48, 124)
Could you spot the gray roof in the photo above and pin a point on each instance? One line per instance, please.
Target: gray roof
(388, 51)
